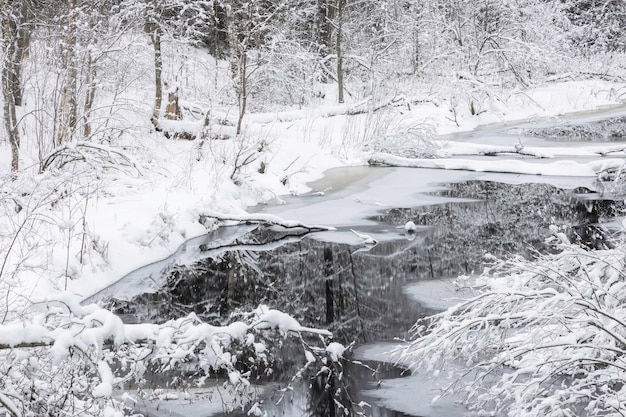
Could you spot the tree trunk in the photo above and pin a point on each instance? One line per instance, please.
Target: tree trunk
(11, 80)
(155, 36)
(328, 284)
(338, 45)
(90, 80)
(242, 90)
(233, 55)
(23, 43)
(231, 283)
(238, 61)
(68, 104)
(90, 95)
(10, 118)
(416, 61)
(323, 35)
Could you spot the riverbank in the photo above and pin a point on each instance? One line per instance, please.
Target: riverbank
(100, 224)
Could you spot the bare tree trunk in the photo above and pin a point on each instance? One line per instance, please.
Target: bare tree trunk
(11, 88)
(416, 58)
(238, 61)
(90, 95)
(328, 285)
(10, 118)
(23, 44)
(155, 36)
(340, 4)
(231, 282)
(242, 90)
(68, 104)
(232, 43)
(238, 57)
(90, 81)
(323, 35)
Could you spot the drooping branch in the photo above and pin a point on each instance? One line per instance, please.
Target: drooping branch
(92, 153)
(555, 323)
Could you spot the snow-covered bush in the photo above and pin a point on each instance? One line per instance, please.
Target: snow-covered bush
(70, 359)
(543, 338)
(413, 143)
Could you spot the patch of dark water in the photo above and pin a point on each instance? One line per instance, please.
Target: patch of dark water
(357, 292)
(606, 130)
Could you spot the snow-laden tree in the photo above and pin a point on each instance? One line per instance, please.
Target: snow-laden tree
(597, 25)
(491, 39)
(59, 62)
(185, 20)
(544, 337)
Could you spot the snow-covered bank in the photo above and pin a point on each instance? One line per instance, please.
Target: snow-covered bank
(106, 223)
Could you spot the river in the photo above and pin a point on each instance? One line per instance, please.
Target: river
(366, 294)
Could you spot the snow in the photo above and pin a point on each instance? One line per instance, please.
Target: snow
(105, 388)
(412, 394)
(438, 294)
(197, 402)
(566, 168)
(410, 227)
(335, 351)
(14, 334)
(274, 319)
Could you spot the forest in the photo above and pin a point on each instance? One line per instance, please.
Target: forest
(130, 127)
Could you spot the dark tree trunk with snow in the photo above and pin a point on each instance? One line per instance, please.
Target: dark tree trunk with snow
(90, 95)
(68, 104)
(328, 284)
(338, 46)
(155, 37)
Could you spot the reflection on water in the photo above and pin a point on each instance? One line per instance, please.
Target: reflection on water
(358, 293)
(605, 130)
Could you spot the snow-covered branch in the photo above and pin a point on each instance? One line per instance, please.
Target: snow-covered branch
(98, 155)
(93, 353)
(264, 218)
(543, 338)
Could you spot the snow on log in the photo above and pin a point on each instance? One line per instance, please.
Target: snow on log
(561, 168)
(264, 218)
(460, 149)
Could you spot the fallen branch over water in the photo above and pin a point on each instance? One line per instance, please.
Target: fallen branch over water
(264, 218)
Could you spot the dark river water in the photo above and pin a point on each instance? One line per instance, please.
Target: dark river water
(357, 292)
